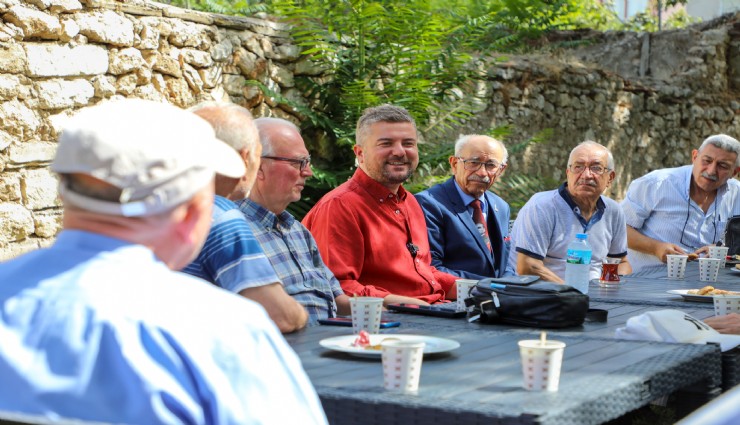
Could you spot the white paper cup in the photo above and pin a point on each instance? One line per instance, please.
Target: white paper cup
(402, 365)
(366, 312)
(676, 266)
(719, 252)
(463, 287)
(708, 269)
(541, 364)
(726, 304)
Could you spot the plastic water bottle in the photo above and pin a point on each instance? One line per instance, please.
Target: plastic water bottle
(578, 263)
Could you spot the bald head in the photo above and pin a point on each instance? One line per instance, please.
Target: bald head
(234, 126)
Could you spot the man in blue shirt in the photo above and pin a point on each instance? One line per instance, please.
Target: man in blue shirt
(685, 209)
(99, 327)
(291, 248)
(231, 257)
(550, 220)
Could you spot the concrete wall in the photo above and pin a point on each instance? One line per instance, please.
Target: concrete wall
(651, 98)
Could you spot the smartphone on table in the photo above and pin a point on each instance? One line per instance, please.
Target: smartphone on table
(347, 321)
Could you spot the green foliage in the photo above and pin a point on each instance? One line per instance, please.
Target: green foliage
(227, 7)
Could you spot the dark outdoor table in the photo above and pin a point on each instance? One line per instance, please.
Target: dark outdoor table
(650, 286)
(481, 382)
(617, 316)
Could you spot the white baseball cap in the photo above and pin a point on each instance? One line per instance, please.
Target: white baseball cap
(157, 154)
(674, 326)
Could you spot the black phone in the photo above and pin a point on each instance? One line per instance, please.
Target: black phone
(347, 321)
(441, 310)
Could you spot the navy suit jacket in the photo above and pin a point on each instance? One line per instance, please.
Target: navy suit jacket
(457, 247)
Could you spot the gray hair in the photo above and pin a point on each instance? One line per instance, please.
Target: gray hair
(464, 139)
(381, 113)
(610, 157)
(230, 122)
(264, 124)
(725, 143)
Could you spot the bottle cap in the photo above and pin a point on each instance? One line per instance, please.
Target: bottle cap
(581, 236)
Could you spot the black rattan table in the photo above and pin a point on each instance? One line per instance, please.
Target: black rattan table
(481, 382)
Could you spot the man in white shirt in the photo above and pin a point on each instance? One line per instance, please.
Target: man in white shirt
(683, 210)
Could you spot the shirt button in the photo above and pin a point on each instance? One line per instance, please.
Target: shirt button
(397, 212)
(417, 260)
(381, 199)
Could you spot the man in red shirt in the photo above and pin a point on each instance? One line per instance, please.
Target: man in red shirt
(370, 231)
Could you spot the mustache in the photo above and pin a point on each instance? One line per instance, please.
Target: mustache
(398, 159)
(712, 177)
(588, 182)
(480, 179)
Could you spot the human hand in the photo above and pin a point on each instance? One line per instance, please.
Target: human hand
(665, 248)
(728, 324)
(398, 299)
(703, 250)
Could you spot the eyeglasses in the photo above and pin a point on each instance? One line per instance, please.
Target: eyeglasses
(596, 170)
(302, 163)
(688, 211)
(474, 165)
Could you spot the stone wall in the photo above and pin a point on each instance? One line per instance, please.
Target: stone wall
(57, 56)
(650, 98)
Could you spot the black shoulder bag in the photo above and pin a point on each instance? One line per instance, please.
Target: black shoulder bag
(732, 235)
(526, 301)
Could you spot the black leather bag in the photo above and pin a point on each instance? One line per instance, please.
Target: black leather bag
(732, 235)
(528, 302)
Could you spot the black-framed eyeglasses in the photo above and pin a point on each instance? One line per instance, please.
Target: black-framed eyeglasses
(596, 170)
(474, 165)
(688, 212)
(302, 163)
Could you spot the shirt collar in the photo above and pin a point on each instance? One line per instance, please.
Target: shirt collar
(377, 190)
(467, 199)
(265, 217)
(600, 207)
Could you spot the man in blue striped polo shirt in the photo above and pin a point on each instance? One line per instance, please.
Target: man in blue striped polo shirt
(683, 210)
(231, 257)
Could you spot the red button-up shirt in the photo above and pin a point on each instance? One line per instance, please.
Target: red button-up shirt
(362, 230)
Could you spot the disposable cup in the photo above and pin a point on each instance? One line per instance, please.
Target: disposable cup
(726, 304)
(402, 365)
(541, 364)
(708, 269)
(719, 252)
(463, 288)
(676, 266)
(366, 312)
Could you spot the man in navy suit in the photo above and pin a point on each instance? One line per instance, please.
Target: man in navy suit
(468, 225)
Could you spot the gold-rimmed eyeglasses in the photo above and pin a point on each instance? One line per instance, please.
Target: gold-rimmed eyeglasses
(474, 165)
(596, 170)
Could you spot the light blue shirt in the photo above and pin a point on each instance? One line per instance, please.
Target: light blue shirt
(658, 206)
(549, 222)
(467, 199)
(98, 329)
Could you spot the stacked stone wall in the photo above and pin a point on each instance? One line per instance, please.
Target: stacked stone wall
(57, 56)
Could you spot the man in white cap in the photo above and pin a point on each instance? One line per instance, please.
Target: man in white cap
(683, 210)
(98, 327)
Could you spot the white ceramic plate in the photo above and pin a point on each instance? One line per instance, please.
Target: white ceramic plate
(690, 297)
(344, 344)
